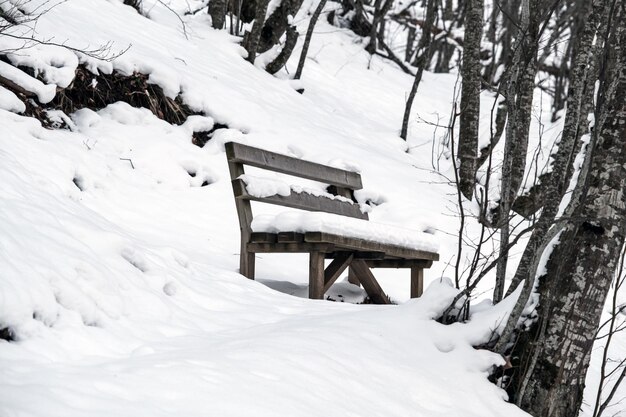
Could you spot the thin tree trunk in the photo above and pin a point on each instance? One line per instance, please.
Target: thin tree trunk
(378, 23)
(518, 126)
(410, 39)
(277, 23)
(251, 39)
(448, 14)
(217, 11)
(422, 61)
(290, 43)
(371, 46)
(307, 38)
(510, 90)
(582, 81)
(470, 98)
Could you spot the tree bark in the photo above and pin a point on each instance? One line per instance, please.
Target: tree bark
(410, 39)
(290, 43)
(377, 23)
(582, 80)
(422, 61)
(519, 102)
(470, 98)
(217, 11)
(252, 38)
(511, 92)
(582, 265)
(277, 23)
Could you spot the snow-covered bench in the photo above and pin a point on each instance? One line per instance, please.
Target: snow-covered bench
(345, 235)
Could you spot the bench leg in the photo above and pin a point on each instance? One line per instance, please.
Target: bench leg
(352, 278)
(246, 262)
(417, 281)
(316, 276)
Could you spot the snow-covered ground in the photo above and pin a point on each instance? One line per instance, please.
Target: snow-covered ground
(119, 240)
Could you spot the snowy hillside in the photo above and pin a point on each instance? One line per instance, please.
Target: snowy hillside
(119, 238)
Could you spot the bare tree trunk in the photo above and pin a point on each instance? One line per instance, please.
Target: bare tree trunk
(251, 39)
(583, 264)
(371, 46)
(422, 60)
(290, 43)
(506, 197)
(506, 49)
(277, 23)
(446, 51)
(217, 11)
(519, 102)
(307, 38)
(377, 23)
(470, 97)
(410, 39)
(582, 81)
(447, 10)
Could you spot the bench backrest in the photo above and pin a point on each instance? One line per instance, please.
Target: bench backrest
(341, 183)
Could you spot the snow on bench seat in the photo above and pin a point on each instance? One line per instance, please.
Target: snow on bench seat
(302, 222)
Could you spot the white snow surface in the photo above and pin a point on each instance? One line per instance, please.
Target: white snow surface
(266, 187)
(302, 222)
(119, 239)
(10, 102)
(45, 93)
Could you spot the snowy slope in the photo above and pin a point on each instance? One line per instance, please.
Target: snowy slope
(118, 267)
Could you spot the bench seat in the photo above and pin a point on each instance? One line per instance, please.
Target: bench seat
(350, 234)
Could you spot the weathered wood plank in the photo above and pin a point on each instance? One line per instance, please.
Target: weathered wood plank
(289, 247)
(366, 245)
(368, 256)
(417, 282)
(399, 263)
(261, 158)
(335, 269)
(244, 213)
(287, 237)
(302, 201)
(263, 237)
(316, 276)
(371, 286)
(249, 265)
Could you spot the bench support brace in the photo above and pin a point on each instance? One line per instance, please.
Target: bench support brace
(371, 286)
(352, 278)
(336, 267)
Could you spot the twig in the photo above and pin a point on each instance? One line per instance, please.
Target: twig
(129, 160)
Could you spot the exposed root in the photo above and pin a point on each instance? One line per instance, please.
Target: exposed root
(96, 91)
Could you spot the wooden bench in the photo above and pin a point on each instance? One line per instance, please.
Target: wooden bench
(358, 255)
